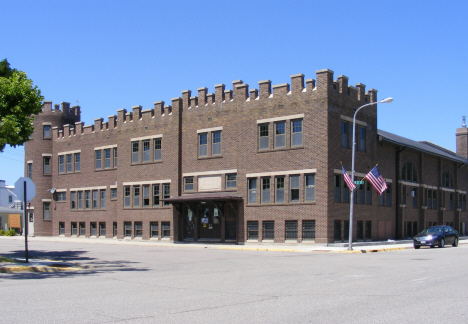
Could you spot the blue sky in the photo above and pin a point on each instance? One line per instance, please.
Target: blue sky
(108, 55)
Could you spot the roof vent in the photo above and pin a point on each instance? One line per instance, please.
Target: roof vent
(464, 122)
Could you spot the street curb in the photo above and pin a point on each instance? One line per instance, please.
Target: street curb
(39, 269)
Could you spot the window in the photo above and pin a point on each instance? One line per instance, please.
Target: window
(216, 139)
(388, 195)
(157, 149)
(252, 230)
(46, 160)
(290, 230)
(95, 199)
(166, 230)
(231, 181)
(368, 234)
(135, 148)
(268, 230)
(344, 134)
(403, 196)
(82, 227)
(46, 207)
(310, 187)
(280, 134)
(103, 199)
(451, 201)
(115, 157)
(360, 192)
(107, 158)
(87, 199)
(127, 229)
(61, 196)
(296, 136)
(263, 137)
(136, 196)
(61, 228)
(146, 196)
(308, 230)
(113, 193)
(167, 194)
(69, 163)
(114, 229)
(294, 188)
(77, 162)
(369, 193)
(74, 229)
(464, 203)
(265, 190)
(61, 159)
(73, 200)
(154, 230)
(138, 229)
(360, 231)
(345, 192)
(127, 196)
(203, 144)
(337, 190)
(156, 195)
(93, 227)
(80, 199)
(146, 151)
(447, 180)
(414, 193)
(188, 184)
(102, 229)
(279, 191)
(362, 139)
(30, 170)
(10, 198)
(98, 164)
(408, 173)
(252, 190)
(47, 133)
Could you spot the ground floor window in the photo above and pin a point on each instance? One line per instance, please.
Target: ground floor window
(114, 229)
(138, 229)
(82, 229)
(291, 230)
(341, 231)
(93, 227)
(74, 229)
(166, 230)
(252, 230)
(128, 229)
(154, 230)
(268, 230)
(411, 229)
(61, 228)
(308, 230)
(102, 229)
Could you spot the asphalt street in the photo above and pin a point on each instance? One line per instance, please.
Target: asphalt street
(152, 284)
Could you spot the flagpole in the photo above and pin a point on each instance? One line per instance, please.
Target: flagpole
(353, 150)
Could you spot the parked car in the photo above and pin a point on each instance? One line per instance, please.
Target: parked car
(436, 235)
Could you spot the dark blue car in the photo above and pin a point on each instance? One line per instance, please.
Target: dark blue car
(436, 235)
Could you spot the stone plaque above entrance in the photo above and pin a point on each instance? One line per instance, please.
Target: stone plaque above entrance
(209, 183)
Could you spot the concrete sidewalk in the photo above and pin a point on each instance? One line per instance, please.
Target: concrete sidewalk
(54, 265)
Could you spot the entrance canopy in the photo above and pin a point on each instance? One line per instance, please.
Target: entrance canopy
(204, 197)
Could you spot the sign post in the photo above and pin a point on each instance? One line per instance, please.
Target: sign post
(25, 190)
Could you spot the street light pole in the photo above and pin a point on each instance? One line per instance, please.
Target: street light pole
(353, 149)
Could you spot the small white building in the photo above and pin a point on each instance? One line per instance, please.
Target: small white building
(8, 198)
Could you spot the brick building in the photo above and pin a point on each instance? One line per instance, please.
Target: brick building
(240, 165)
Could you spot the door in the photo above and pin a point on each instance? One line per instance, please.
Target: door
(188, 224)
(209, 226)
(30, 224)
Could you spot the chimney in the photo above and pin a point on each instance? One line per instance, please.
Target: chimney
(462, 140)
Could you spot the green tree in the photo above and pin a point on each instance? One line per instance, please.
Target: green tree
(19, 102)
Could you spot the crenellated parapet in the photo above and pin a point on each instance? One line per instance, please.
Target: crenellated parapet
(323, 84)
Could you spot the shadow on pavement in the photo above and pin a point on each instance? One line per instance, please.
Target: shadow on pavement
(89, 266)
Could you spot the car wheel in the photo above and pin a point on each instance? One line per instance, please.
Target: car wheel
(442, 243)
(417, 246)
(455, 242)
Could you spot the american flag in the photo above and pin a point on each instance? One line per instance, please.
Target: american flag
(347, 179)
(377, 181)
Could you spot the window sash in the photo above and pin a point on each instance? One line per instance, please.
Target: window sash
(296, 138)
(61, 164)
(98, 159)
(290, 230)
(46, 165)
(252, 191)
(188, 184)
(167, 193)
(136, 196)
(127, 196)
(80, 199)
(268, 230)
(115, 157)
(310, 187)
(69, 163)
(156, 195)
(107, 158)
(263, 137)
(73, 200)
(146, 151)
(279, 193)
(344, 135)
(95, 199)
(157, 149)
(203, 144)
(216, 139)
(103, 199)
(77, 162)
(266, 192)
(135, 152)
(362, 139)
(231, 180)
(308, 230)
(294, 188)
(146, 196)
(46, 133)
(87, 199)
(46, 214)
(280, 134)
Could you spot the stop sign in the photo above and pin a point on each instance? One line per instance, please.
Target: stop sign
(30, 189)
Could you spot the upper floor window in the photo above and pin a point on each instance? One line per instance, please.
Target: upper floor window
(115, 157)
(157, 149)
(46, 208)
(252, 190)
(296, 133)
(263, 137)
(146, 151)
(266, 193)
(46, 160)
(47, 133)
(344, 134)
(69, 163)
(188, 184)
(203, 144)
(61, 159)
(447, 180)
(216, 139)
(408, 172)
(280, 134)
(310, 187)
(126, 196)
(29, 170)
(294, 188)
(362, 139)
(231, 181)
(279, 189)
(98, 159)
(135, 152)
(107, 158)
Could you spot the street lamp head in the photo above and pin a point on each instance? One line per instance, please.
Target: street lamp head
(387, 100)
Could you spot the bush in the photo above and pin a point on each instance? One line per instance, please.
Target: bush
(11, 232)
(2, 233)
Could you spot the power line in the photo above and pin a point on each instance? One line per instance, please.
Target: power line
(10, 159)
